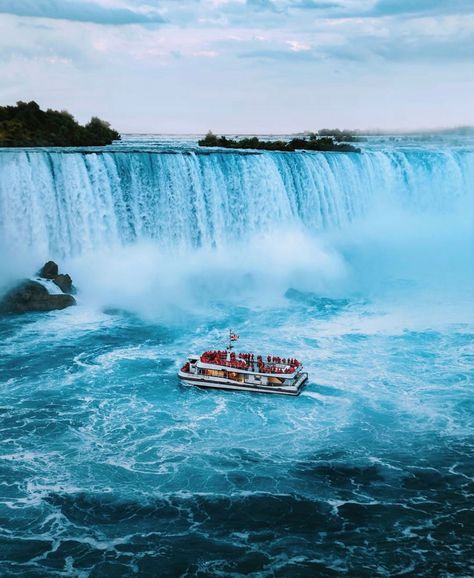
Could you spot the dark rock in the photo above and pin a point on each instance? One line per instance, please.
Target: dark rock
(64, 282)
(49, 270)
(32, 296)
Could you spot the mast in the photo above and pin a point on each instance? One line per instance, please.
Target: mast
(230, 347)
(232, 337)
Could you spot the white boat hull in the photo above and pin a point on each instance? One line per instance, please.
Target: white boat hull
(206, 382)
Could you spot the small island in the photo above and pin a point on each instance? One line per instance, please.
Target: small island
(26, 125)
(324, 141)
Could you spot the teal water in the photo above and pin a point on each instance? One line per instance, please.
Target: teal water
(361, 266)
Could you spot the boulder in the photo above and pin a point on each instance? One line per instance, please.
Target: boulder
(32, 296)
(49, 270)
(64, 282)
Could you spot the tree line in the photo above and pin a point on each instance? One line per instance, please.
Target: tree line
(26, 125)
(313, 142)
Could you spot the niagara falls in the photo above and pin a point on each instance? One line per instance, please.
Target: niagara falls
(233, 342)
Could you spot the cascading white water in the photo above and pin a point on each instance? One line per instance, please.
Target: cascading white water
(61, 204)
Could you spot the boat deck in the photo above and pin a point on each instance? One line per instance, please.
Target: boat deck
(244, 372)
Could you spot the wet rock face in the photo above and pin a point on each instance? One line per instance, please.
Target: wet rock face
(64, 282)
(32, 296)
(29, 295)
(50, 270)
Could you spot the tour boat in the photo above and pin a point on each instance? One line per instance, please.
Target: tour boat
(243, 371)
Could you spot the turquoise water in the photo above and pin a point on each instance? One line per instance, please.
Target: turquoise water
(361, 266)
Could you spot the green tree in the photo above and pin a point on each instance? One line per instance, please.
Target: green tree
(26, 125)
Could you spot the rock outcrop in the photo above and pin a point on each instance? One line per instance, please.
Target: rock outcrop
(50, 270)
(30, 295)
(64, 282)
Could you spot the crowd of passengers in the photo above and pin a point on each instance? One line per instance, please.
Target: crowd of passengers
(249, 360)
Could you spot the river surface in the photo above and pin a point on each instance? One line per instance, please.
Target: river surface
(362, 266)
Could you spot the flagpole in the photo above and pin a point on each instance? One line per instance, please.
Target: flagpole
(232, 337)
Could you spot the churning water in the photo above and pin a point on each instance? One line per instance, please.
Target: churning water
(360, 265)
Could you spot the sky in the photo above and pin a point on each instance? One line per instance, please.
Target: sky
(243, 66)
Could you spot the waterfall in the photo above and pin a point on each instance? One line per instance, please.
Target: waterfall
(62, 203)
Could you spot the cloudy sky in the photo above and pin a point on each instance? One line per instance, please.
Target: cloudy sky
(243, 65)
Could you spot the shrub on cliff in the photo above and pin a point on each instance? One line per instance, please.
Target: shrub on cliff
(27, 125)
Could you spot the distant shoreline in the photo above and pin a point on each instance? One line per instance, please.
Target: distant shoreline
(460, 131)
(325, 141)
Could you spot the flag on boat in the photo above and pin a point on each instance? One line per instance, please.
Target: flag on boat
(233, 336)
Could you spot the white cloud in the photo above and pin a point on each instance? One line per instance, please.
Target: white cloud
(235, 64)
(99, 12)
(298, 46)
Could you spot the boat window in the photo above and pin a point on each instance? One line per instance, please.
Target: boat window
(214, 372)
